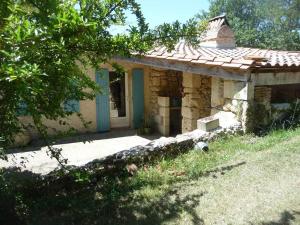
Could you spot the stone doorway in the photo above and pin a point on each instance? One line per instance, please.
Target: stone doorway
(119, 105)
(175, 115)
(166, 94)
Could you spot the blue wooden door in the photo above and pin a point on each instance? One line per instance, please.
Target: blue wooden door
(102, 101)
(138, 97)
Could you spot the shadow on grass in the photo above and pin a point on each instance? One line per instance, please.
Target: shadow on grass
(102, 199)
(286, 218)
(215, 173)
(95, 202)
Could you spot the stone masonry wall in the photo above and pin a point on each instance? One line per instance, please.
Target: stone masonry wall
(217, 95)
(262, 107)
(163, 83)
(236, 97)
(262, 94)
(196, 102)
(155, 150)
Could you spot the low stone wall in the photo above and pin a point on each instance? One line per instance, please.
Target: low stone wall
(158, 149)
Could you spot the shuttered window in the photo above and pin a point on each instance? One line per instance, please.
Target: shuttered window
(22, 109)
(72, 106)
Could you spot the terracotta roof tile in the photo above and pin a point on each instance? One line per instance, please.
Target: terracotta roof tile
(232, 65)
(185, 60)
(244, 67)
(199, 61)
(245, 57)
(243, 61)
(214, 63)
(223, 59)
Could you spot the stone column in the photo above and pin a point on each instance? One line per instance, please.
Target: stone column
(164, 114)
(262, 99)
(196, 100)
(217, 95)
(239, 98)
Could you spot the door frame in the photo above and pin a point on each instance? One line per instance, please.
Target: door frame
(118, 122)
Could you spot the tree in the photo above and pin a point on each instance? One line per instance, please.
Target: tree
(272, 24)
(43, 42)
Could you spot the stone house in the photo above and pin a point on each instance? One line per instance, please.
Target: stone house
(177, 88)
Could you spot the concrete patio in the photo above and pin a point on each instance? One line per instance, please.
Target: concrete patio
(79, 150)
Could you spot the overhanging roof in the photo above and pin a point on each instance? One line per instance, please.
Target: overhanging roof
(237, 58)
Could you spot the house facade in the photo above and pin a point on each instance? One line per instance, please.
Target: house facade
(175, 89)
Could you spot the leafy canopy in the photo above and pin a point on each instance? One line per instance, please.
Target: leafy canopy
(271, 24)
(45, 44)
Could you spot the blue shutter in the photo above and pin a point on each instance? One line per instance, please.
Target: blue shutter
(22, 109)
(138, 97)
(102, 101)
(72, 106)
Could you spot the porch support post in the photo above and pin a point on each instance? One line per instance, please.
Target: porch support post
(164, 114)
(196, 100)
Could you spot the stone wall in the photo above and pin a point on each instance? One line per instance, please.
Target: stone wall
(196, 102)
(157, 149)
(263, 94)
(164, 115)
(262, 106)
(217, 95)
(236, 97)
(163, 83)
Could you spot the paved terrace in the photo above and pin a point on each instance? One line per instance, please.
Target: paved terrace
(79, 150)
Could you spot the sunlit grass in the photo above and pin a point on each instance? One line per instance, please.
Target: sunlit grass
(195, 164)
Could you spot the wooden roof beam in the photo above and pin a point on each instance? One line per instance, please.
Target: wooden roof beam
(186, 67)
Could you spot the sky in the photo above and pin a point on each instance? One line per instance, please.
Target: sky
(159, 11)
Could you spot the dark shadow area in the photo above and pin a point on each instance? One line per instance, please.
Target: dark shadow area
(286, 218)
(104, 200)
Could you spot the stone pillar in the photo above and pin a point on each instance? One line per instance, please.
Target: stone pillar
(164, 115)
(239, 96)
(196, 100)
(262, 99)
(154, 90)
(217, 95)
(263, 94)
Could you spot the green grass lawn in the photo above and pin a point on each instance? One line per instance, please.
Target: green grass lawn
(241, 180)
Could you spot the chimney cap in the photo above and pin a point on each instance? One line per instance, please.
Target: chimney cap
(222, 16)
(218, 34)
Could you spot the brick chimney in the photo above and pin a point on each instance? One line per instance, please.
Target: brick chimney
(218, 34)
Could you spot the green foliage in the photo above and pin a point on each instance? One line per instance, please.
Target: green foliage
(44, 46)
(271, 24)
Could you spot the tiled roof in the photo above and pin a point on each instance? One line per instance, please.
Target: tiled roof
(242, 58)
